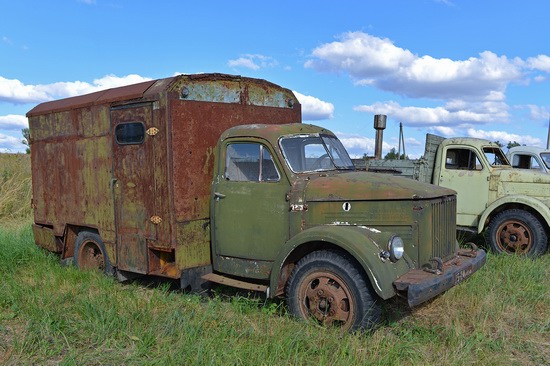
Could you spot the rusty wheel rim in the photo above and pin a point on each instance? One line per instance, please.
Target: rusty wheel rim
(325, 297)
(514, 236)
(90, 256)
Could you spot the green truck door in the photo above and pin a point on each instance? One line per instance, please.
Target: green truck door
(250, 219)
(133, 185)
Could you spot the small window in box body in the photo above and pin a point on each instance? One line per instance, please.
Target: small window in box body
(131, 133)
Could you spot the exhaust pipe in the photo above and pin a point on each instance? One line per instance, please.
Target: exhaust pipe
(379, 126)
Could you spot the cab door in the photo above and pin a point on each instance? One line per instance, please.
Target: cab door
(133, 185)
(464, 172)
(249, 209)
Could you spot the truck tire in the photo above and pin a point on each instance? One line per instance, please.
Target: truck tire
(517, 232)
(90, 253)
(330, 288)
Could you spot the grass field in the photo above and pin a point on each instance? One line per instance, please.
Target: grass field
(50, 315)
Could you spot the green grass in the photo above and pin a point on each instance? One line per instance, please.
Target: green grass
(50, 314)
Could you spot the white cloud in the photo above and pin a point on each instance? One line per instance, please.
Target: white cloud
(505, 137)
(377, 61)
(10, 144)
(452, 113)
(243, 62)
(539, 113)
(314, 109)
(14, 91)
(357, 145)
(13, 122)
(253, 62)
(541, 63)
(445, 131)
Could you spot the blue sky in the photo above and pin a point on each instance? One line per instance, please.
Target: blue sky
(476, 68)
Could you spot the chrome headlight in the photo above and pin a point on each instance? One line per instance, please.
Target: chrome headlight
(396, 248)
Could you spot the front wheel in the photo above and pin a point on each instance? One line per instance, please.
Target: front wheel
(517, 232)
(90, 253)
(330, 288)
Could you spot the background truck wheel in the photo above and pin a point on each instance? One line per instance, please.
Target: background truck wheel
(89, 253)
(517, 232)
(329, 287)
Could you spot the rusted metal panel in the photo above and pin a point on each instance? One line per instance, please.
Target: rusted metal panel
(45, 238)
(196, 128)
(133, 181)
(65, 193)
(193, 247)
(123, 93)
(234, 283)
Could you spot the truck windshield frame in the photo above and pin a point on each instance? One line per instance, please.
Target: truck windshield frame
(314, 152)
(495, 156)
(545, 159)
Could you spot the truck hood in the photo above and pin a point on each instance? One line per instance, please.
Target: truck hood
(521, 181)
(366, 186)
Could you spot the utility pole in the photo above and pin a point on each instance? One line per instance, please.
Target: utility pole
(402, 141)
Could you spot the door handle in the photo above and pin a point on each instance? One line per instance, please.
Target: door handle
(218, 195)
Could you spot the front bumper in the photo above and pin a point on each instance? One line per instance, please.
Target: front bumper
(420, 285)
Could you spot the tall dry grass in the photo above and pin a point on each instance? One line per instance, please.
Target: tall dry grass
(15, 189)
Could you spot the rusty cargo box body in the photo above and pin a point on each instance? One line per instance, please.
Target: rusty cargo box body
(134, 164)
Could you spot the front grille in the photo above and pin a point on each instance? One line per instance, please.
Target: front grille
(444, 227)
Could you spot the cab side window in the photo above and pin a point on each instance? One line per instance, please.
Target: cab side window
(462, 159)
(249, 162)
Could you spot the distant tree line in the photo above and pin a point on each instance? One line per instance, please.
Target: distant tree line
(510, 144)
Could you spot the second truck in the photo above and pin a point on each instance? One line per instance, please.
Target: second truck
(511, 205)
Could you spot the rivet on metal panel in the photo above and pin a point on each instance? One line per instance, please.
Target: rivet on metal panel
(152, 131)
(156, 219)
(184, 93)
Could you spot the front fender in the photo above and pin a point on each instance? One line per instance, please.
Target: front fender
(534, 203)
(364, 244)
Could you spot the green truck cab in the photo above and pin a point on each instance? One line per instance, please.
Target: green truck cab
(511, 205)
(212, 178)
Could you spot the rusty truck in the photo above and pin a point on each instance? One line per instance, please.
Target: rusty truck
(212, 178)
(511, 206)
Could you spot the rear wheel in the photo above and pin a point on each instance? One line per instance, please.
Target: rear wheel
(89, 253)
(517, 232)
(330, 288)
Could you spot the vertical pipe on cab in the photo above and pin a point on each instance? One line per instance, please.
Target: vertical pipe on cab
(379, 126)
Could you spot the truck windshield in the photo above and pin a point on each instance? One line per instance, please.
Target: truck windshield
(307, 153)
(546, 159)
(495, 156)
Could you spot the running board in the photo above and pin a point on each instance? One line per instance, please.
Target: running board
(234, 283)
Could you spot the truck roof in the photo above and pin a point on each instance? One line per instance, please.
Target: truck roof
(469, 141)
(273, 132)
(201, 87)
(528, 149)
